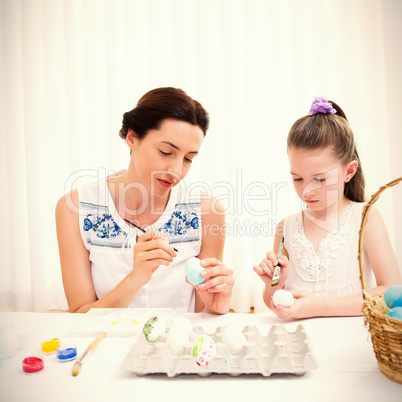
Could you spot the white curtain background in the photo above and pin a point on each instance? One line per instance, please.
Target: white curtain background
(69, 69)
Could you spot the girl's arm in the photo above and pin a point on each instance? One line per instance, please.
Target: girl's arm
(385, 268)
(213, 296)
(76, 267)
(383, 262)
(380, 252)
(265, 269)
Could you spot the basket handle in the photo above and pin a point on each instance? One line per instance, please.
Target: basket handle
(365, 212)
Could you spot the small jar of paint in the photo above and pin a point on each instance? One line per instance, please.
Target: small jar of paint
(32, 364)
(50, 347)
(66, 353)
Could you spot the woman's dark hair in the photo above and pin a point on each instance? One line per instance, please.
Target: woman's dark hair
(161, 104)
(330, 130)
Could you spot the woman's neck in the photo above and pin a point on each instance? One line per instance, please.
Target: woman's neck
(134, 202)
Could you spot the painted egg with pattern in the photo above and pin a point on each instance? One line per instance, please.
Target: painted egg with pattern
(154, 328)
(204, 350)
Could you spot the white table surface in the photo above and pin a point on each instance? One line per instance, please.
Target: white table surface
(347, 366)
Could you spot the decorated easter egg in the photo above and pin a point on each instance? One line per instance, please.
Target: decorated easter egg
(193, 269)
(204, 350)
(396, 312)
(154, 328)
(283, 297)
(177, 339)
(233, 338)
(393, 296)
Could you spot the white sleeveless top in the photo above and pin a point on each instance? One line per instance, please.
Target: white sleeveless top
(332, 270)
(110, 243)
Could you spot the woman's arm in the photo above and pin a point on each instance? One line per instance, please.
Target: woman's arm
(215, 293)
(149, 253)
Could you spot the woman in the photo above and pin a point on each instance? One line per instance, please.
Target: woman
(106, 260)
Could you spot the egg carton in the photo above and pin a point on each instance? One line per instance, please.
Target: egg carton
(280, 351)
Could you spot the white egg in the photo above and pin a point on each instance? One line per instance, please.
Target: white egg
(177, 339)
(283, 297)
(185, 324)
(233, 338)
(154, 328)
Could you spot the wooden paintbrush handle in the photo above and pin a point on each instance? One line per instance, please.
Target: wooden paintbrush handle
(96, 341)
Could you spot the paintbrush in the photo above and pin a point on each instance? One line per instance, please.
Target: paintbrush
(78, 364)
(277, 272)
(144, 231)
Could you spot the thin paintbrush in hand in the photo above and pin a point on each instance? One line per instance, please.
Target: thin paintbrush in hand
(144, 231)
(78, 364)
(277, 273)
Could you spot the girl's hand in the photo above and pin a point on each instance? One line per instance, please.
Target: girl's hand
(151, 251)
(265, 269)
(216, 291)
(306, 305)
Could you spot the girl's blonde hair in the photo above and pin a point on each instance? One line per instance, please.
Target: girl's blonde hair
(322, 130)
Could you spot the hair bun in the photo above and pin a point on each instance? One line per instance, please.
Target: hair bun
(321, 105)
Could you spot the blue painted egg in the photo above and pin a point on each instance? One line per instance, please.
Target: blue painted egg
(395, 313)
(193, 269)
(393, 296)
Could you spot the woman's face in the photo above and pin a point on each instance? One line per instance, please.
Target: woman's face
(163, 157)
(318, 177)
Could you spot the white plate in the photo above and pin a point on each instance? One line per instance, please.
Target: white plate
(120, 322)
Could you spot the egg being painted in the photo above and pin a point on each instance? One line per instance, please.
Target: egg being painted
(204, 350)
(193, 269)
(393, 296)
(154, 328)
(283, 297)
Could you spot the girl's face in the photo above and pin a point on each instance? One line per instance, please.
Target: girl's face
(163, 158)
(319, 177)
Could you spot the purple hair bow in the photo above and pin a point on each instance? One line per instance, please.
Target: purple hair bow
(321, 105)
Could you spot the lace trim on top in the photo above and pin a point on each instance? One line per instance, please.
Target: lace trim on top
(318, 266)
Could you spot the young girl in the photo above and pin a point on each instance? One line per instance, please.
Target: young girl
(106, 259)
(319, 262)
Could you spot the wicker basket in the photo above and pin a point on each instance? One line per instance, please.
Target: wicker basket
(386, 332)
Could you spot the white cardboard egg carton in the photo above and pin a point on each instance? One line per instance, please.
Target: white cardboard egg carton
(279, 351)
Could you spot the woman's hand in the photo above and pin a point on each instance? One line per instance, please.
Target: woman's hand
(151, 251)
(265, 269)
(216, 291)
(306, 305)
